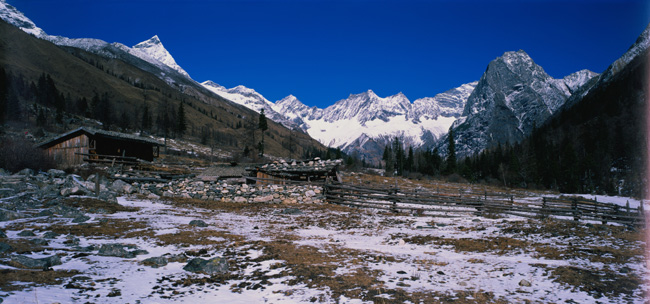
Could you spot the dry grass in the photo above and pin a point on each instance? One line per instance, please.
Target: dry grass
(36, 277)
(188, 235)
(113, 228)
(597, 283)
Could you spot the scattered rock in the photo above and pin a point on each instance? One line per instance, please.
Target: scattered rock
(55, 173)
(7, 215)
(212, 266)
(291, 211)
(198, 223)
(263, 199)
(81, 219)
(525, 283)
(440, 272)
(76, 190)
(114, 293)
(117, 250)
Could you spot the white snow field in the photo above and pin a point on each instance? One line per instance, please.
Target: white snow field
(324, 253)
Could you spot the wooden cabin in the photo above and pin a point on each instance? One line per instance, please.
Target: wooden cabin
(74, 147)
(297, 171)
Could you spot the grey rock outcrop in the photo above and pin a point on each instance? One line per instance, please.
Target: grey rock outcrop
(22, 261)
(512, 97)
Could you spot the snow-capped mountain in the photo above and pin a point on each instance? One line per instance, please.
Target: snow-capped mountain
(513, 95)
(364, 122)
(151, 51)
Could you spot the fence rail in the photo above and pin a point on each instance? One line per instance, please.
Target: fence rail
(461, 203)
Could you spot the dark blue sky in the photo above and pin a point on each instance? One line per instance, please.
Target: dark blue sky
(322, 51)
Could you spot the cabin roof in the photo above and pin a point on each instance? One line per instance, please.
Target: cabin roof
(96, 133)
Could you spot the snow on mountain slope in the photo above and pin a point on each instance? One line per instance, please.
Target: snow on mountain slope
(16, 18)
(251, 99)
(155, 49)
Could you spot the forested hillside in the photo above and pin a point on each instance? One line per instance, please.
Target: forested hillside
(52, 89)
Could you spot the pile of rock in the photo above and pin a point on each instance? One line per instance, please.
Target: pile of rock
(216, 191)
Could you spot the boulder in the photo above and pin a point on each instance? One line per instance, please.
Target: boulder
(525, 283)
(116, 250)
(50, 235)
(2, 234)
(155, 262)
(21, 261)
(212, 266)
(121, 186)
(26, 233)
(198, 223)
(75, 190)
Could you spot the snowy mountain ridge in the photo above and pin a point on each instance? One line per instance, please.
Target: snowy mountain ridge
(150, 50)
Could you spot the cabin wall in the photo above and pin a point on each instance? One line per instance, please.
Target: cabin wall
(108, 146)
(64, 153)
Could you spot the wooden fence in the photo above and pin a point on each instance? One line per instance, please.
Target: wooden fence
(484, 204)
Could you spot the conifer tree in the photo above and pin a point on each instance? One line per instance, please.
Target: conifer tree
(262, 125)
(181, 125)
(451, 155)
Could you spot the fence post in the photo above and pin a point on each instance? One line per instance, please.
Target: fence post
(627, 208)
(486, 195)
(544, 215)
(394, 205)
(576, 214)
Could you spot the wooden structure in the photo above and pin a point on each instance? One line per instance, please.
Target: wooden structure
(88, 144)
(465, 203)
(281, 172)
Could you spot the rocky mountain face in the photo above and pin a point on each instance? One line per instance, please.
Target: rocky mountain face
(512, 97)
